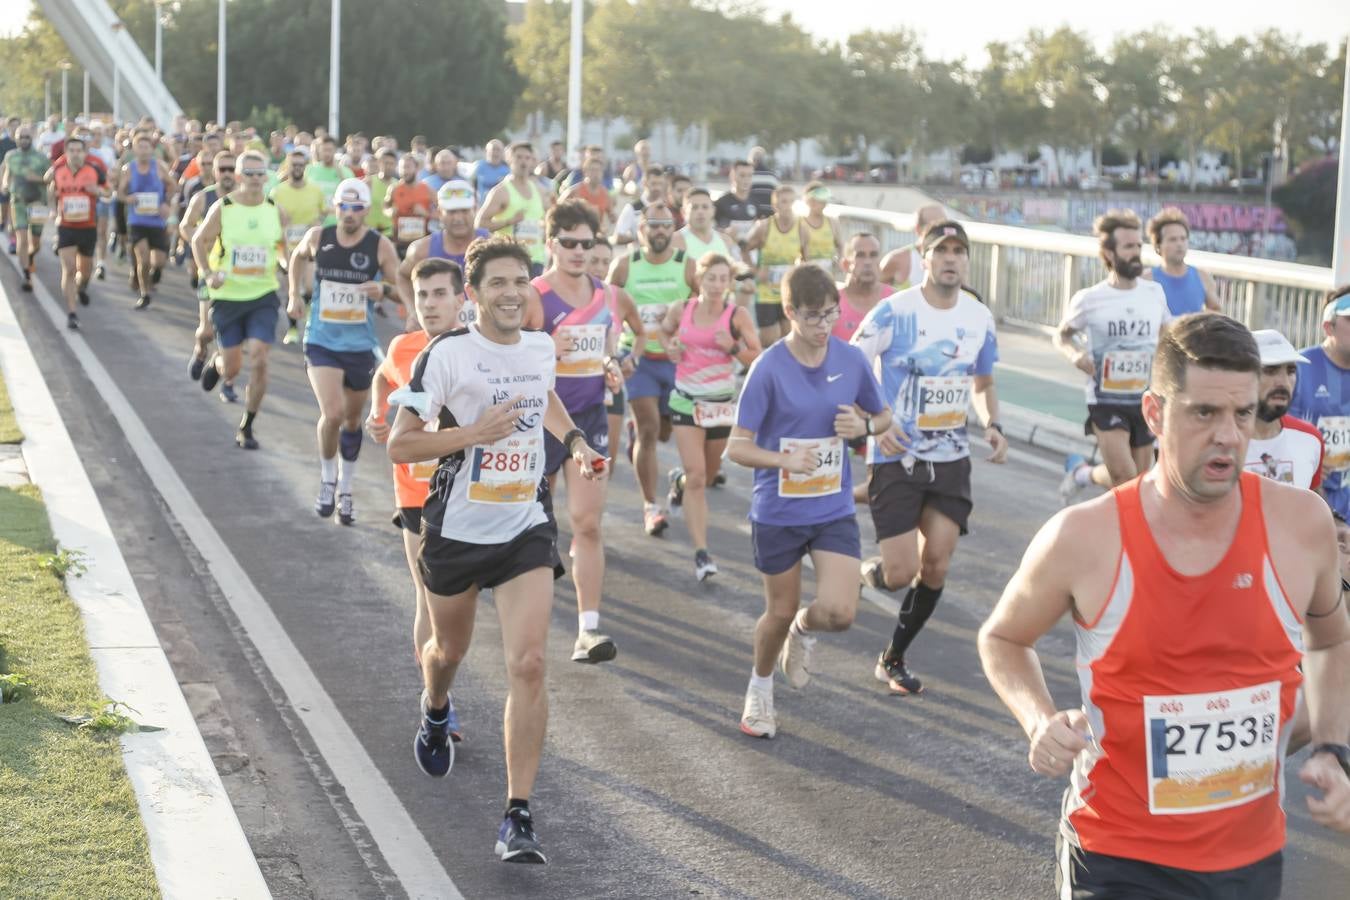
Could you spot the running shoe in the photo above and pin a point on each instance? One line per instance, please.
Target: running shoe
(655, 521)
(327, 500)
(143, 302)
(155, 275)
(27, 283)
(593, 647)
(704, 567)
(193, 280)
(758, 719)
(346, 512)
(210, 375)
(516, 841)
(13, 245)
(292, 335)
(83, 295)
(99, 272)
(434, 748)
(227, 392)
(72, 322)
(676, 493)
(1068, 485)
(872, 574)
(719, 479)
(794, 660)
(894, 673)
(244, 439)
(195, 367)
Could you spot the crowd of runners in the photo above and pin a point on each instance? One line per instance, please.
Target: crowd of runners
(558, 320)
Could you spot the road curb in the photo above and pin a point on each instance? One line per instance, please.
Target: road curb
(197, 845)
(1045, 432)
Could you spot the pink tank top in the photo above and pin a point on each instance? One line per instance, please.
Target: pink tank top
(850, 317)
(704, 369)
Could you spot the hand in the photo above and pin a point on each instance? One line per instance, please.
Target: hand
(1084, 364)
(592, 465)
(295, 309)
(801, 461)
(498, 422)
(1057, 741)
(561, 343)
(377, 428)
(613, 377)
(893, 442)
(1332, 809)
(848, 424)
(725, 342)
(998, 443)
(216, 280)
(165, 210)
(675, 350)
(374, 290)
(628, 366)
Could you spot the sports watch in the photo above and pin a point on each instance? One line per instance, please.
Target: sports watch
(1340, 751)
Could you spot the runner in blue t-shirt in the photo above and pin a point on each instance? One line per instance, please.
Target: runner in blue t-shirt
(488, 172)
(1322, 397)
(803, 400)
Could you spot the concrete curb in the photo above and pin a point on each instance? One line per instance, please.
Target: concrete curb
(1046, 432)
(196, 843)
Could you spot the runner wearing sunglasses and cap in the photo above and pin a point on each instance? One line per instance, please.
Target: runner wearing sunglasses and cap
(455, 202)
(1282, 447)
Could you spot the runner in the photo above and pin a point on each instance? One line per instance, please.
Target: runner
(1322, 397)
(863, 287)
(763, 180)
(599, 259)
(100, 150)
(305, 206)
(1188, 289)
(781, 242)
(73, 190)
(516, 206)
(1282, 447)
(933, 349)
(1190, 589)
(655, 276)
(593, 191)
(490, 390)
(556, 163)
(823, 246)
(804, 397)
(636, 171)
(1109, 332)
(698, 237)
(408, 205)
(489, 171)
(654, 187)
(25, 167)
(145, 185)
(382, 177)
(579, 312)
(734, 212)
(222, 183)
(327, 173)
(340, 341)
(236, 247)
(706, 335)
(903, 267)
(8, 143)
(451, 242)
(438, 287)
(446, 170)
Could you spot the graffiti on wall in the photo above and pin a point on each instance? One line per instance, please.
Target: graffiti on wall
(1221, 227)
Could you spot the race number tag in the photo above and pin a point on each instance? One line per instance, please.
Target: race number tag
(147, 203)
(75, 208)
(249, 261)
(773, 280)
(38, 215)
(714, 413)
(1336, 435)
(585, 353)
(506, 471)
(943, 402)
(342, 304)
(295, 234)
(653, 314)
(1211, 751)
(1126, 371)
(410, 228)
(828, 477)
(528, 232)
(422, 471)
(468, 313)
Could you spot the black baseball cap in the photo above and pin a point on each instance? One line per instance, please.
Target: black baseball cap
(940, 231)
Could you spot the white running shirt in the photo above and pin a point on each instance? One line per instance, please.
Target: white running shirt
(1122, 332)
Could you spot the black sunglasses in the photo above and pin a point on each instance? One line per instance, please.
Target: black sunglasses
(574, 243)
(224, 168)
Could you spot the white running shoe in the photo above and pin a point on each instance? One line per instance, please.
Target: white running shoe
(1068, 485)
(758, 719)
(794, 660)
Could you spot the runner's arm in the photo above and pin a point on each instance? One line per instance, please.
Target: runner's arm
(618, 274)
(633, 320)
(123, 186)
(1326, 665)
(1064, 338)
(377, 421)
(409, 443)
(895, 266)
(691, 274)
(1212, 300)
(190, 217)
(492, 206)
(416, 253)
(748, 336)
(389, 270)
(755, 239)
(205, 236)
(986, 408)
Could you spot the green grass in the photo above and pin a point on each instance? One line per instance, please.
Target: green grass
(69, 826)
(9, 430)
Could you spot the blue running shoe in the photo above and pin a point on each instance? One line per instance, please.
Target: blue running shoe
(433, 748)
(227, 392)
(516, 841)
(1069, 486)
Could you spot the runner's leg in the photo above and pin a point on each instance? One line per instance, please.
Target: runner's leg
(1118, 464)
(523, 608)
(647, 419)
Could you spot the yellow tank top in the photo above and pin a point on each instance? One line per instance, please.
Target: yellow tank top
(820, 245)
(776, 257)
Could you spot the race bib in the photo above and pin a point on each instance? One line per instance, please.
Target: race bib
(295, 234)
(249, 261)
(506, 471)
(828, 477)
(1211, 751)
(943, 402)
(468, 313)
(147, 203)
(39, 215)
(652, 314)
(75, 208)
(584, 355)
(773, 281)
(529, 232)
(714, 413)
(1336, 435)
(423, 471)
(1126, 371)
(434, 225)
(410, 228)
(342, 304)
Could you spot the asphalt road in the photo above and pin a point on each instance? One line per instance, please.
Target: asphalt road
(647, 787)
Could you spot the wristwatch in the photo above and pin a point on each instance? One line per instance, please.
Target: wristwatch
(994, 425)
(1340, 751)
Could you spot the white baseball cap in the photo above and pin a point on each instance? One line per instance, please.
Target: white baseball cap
(455, 194)
(1276, 349)
(352, 190)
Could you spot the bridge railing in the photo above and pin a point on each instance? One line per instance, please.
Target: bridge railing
(1027, 276)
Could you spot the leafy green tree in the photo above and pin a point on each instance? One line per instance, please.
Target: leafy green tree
(1008, 113)
(1065, 73)
(1140, 91)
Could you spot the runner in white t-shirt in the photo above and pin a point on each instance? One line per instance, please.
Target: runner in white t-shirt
(1110, 331)
(483, 397)
(1282, 447)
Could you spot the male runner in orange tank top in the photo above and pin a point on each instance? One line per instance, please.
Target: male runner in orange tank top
(1192, 589)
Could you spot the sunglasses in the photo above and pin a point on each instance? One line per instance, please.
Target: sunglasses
(574, 243)
(352, 207)
(660, 223)
(223, 169)
(255, 173)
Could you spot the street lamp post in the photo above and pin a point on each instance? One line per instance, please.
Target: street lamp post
(220, 66)
(86, 95)
(159, 41)
(334, 61)
(65, 89)
(47, 98)
(1340, 248)
(574, 84)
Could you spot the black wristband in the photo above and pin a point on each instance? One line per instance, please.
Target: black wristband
(571, 437)
(996, 426)
(1340, 751)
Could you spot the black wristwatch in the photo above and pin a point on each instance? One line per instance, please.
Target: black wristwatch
(1340, 751)
(571, 438)
(996, 426)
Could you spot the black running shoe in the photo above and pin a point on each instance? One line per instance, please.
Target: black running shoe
(143, 302)
(193, 281)
(433, 748)
(210, 376)
(27, 283)
(894, 673)
(83, 295)
(244, 439)
(516, 841)
(99, 272)
(327, 499)
(719, 479)
(195, 367)
(155, 275)
(675, 496)
(72, 322)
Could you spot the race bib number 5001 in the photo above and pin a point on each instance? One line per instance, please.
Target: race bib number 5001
(1211, 751)
(584, 353)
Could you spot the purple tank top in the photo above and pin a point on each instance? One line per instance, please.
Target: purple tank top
(581, 363)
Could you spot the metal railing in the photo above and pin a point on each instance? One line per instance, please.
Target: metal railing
(1027, 276)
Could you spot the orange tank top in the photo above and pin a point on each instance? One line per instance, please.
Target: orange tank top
(75, 196)
(412, 481)
(1189, 683)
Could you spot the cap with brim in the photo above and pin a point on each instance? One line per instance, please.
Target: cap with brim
(1275, 348)
(455, 194)
(1339, 307)
(821, 193)
(352, 190)
(941, 231)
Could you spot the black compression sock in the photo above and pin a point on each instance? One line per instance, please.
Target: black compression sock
(514, 803)
(919, 603)
(246, 423)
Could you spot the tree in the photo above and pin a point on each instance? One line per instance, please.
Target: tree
(1140, 91)
(1064, 72)
(1007, 113)
(541, 52)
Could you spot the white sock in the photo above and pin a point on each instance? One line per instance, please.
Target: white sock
(1082, 476)
(346, 469)
(328, 470)
(761, 682)
(589, 620)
